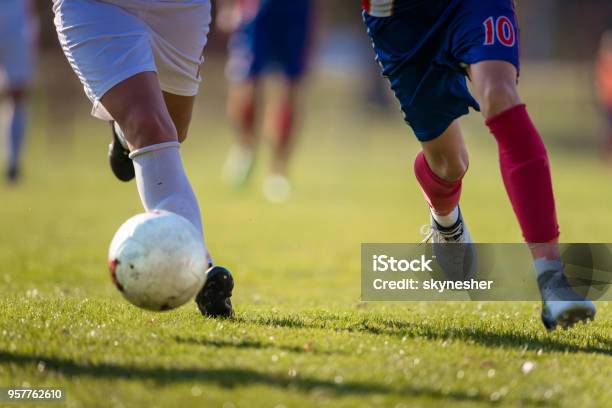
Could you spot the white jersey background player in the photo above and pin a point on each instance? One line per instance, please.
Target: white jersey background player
(17, 37)
(139, 62)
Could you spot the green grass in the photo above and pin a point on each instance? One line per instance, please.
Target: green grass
(301, 337)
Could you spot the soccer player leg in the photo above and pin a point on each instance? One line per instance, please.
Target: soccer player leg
(17, 129)
(139, 108)
(293, 24)
(494, 63)
(243, 70)
(150, 122)
(178, 48)
(523, 157)
(432, 97)
(241, 110)
(17, 62)
(439, 169)
(281, 126)
(525, 170)
(486, 41)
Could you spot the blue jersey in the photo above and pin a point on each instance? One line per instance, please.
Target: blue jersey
(424, 53)
(273, 35)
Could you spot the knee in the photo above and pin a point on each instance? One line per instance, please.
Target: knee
(242, 112)
(17, 95)
(454, 170)
(143, 128)
(498, 97)
(449, 169)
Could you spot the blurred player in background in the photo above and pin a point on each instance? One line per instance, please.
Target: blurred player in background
(267, 36)
(139, 62)
(604, 86)
(426, 50)
(17, 48)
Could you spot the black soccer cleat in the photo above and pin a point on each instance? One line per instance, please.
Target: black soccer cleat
(12, 174)
(214, 298)
(119, 158)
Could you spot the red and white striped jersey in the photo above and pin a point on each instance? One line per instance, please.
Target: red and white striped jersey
(378, 8)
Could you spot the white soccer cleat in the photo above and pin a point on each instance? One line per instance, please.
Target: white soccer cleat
(453, 248)
(561, 305)
(239, 165)
(276, 188)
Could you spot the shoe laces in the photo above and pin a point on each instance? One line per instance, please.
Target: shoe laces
(431, 233)
(427, 231)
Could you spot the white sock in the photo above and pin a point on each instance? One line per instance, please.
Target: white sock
(447, 220)
(543, 265)
(163, 184)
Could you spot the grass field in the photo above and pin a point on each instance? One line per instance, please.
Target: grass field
(301, 336)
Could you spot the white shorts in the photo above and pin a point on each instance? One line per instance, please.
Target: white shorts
(16, 44)
(109, 41)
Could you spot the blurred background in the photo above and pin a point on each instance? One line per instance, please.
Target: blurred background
(557, 37)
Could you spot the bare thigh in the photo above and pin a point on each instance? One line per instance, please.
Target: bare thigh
(495, 86)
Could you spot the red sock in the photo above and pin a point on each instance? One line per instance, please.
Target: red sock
(442, 196)
(246, 117)
(526, 173)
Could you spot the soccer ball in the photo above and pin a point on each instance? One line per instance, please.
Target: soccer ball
(157, 260)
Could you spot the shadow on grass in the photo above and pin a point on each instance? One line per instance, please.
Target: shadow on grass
(489, 337)
(232, 378)
(255, 345)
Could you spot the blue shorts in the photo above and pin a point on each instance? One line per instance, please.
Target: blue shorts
(16, 45)
(424, 53)
(277, 38)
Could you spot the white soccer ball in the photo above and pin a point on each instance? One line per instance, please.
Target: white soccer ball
(158, 260)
